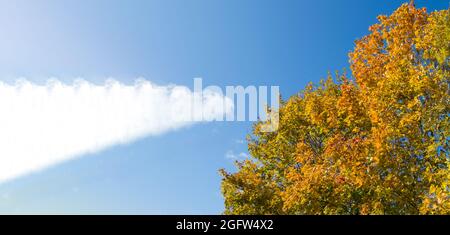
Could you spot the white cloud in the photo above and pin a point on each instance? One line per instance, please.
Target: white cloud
(236, 156)
(41, 125)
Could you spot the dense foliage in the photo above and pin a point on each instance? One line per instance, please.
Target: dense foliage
(375, 142)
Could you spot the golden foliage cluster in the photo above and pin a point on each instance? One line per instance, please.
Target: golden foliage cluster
(376, 142)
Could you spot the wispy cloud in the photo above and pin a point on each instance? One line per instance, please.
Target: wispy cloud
(41, 125)
(235, 156)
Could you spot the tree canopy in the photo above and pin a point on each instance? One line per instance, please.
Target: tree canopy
(372, 142)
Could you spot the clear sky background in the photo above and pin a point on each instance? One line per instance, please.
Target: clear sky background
(226, 42)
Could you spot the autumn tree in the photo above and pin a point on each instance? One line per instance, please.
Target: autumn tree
(373, 142)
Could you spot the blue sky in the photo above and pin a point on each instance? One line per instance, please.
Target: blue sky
(283, 43)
